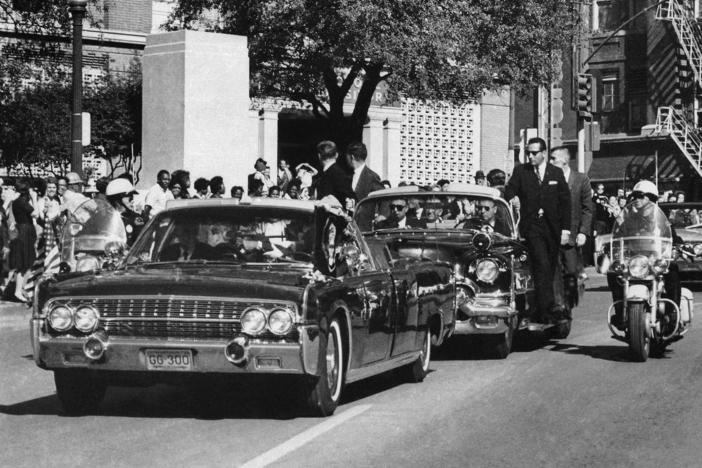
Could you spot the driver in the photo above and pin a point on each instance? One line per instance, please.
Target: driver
(398, 217)
(638, 222)
(187, 245)
(120, 194)
(486, 212)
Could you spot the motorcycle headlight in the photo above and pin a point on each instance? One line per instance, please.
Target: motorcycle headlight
(86, 318)
(638, 266)
(486, 271)
(660, 266)
(60, 318)
(697, 249)
(280, 321)
(253, 321)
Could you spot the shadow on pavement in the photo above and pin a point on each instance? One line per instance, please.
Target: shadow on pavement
(277, 399)
(613, 353)
(167, 401)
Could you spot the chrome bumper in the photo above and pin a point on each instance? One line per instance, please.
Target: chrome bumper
(128, 354)
(485, 317)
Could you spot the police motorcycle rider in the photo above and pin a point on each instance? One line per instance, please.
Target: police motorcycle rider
(641, 214)
(120, 194)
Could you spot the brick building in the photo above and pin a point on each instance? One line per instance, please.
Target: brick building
(646, 93)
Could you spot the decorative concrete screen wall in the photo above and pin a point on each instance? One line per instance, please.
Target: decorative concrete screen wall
(439, 141)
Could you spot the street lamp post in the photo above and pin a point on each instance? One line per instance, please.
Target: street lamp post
(77, 9)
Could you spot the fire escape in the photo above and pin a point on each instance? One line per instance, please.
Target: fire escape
(670, 120)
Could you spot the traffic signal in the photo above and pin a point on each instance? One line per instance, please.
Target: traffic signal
(586, 90)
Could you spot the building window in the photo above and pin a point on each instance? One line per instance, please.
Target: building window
(609, 92)
(608, 15)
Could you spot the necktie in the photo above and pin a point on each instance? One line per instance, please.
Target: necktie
(538, 174)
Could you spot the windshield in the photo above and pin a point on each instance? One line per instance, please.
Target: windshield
(435, 211)
(228, 235)
(89, 228)
(641, 229)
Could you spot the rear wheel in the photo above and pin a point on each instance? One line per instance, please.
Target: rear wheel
(79, 390)
(324, 392)
(639, 340)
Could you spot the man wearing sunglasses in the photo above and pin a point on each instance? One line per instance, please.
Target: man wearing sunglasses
(398, 217)
(544, 220)
(486, 212)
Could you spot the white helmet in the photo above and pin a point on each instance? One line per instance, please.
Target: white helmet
(647, 188)
(119, 186)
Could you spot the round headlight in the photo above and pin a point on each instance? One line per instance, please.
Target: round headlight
(61, 318)
(697, 249)
(486, 271)
(86, 318)
(638, 266)
(253, 321)
(280, 321)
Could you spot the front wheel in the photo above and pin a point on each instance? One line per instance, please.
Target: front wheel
(499, 346)
(80, 392)
(324, 392)
(639, 339)
(418, 370)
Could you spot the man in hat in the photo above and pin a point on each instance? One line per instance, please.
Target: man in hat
(480, 178)
(73, 196)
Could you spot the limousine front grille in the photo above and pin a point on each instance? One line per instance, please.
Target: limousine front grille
(177, 317)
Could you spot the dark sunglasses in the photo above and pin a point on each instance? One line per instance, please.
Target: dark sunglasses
(482, 208)
(637, 195)
(397, 207)
(533, 153)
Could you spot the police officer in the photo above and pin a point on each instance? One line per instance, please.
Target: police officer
(120, 194)
(643, 212)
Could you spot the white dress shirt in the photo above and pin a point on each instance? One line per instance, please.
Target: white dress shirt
(356, 176)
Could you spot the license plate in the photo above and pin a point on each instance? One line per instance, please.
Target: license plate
(169, 359)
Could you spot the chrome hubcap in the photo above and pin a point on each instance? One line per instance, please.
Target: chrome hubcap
(332, 365)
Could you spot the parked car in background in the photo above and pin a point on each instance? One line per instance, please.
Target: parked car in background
(269, 287)
(687, 239)
(470, 228)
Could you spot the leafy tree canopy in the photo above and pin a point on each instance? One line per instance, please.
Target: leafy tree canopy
(427, 49)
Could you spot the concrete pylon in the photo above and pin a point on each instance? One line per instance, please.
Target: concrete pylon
(196, 107)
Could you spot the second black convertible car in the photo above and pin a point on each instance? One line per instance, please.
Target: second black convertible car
(270, 287)
(471, 229)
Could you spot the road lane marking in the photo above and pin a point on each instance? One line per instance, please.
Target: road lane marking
(304, 437)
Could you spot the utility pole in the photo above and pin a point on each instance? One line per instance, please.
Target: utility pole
(77, 9)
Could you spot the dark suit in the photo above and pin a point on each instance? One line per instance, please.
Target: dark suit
(391, 223)
(581, 212)
(334, 181)
(368, 182)
(544, 213)
(201, 251)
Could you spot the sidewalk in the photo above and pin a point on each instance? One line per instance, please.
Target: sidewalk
(14, 316)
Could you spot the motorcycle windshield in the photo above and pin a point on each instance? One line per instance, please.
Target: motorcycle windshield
(89, 228)
(641, 230)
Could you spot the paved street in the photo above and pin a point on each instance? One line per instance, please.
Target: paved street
(577, 402)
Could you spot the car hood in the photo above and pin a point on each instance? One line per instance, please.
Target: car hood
(690, 236)
(285, 285)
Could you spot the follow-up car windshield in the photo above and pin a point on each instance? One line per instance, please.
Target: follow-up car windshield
(435, 211)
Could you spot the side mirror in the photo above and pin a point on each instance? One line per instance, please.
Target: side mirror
(602, 262)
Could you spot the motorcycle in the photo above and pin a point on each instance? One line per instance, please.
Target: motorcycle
(639, 254)
(93, 238)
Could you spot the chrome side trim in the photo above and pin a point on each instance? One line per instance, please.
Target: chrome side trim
(354, 375)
